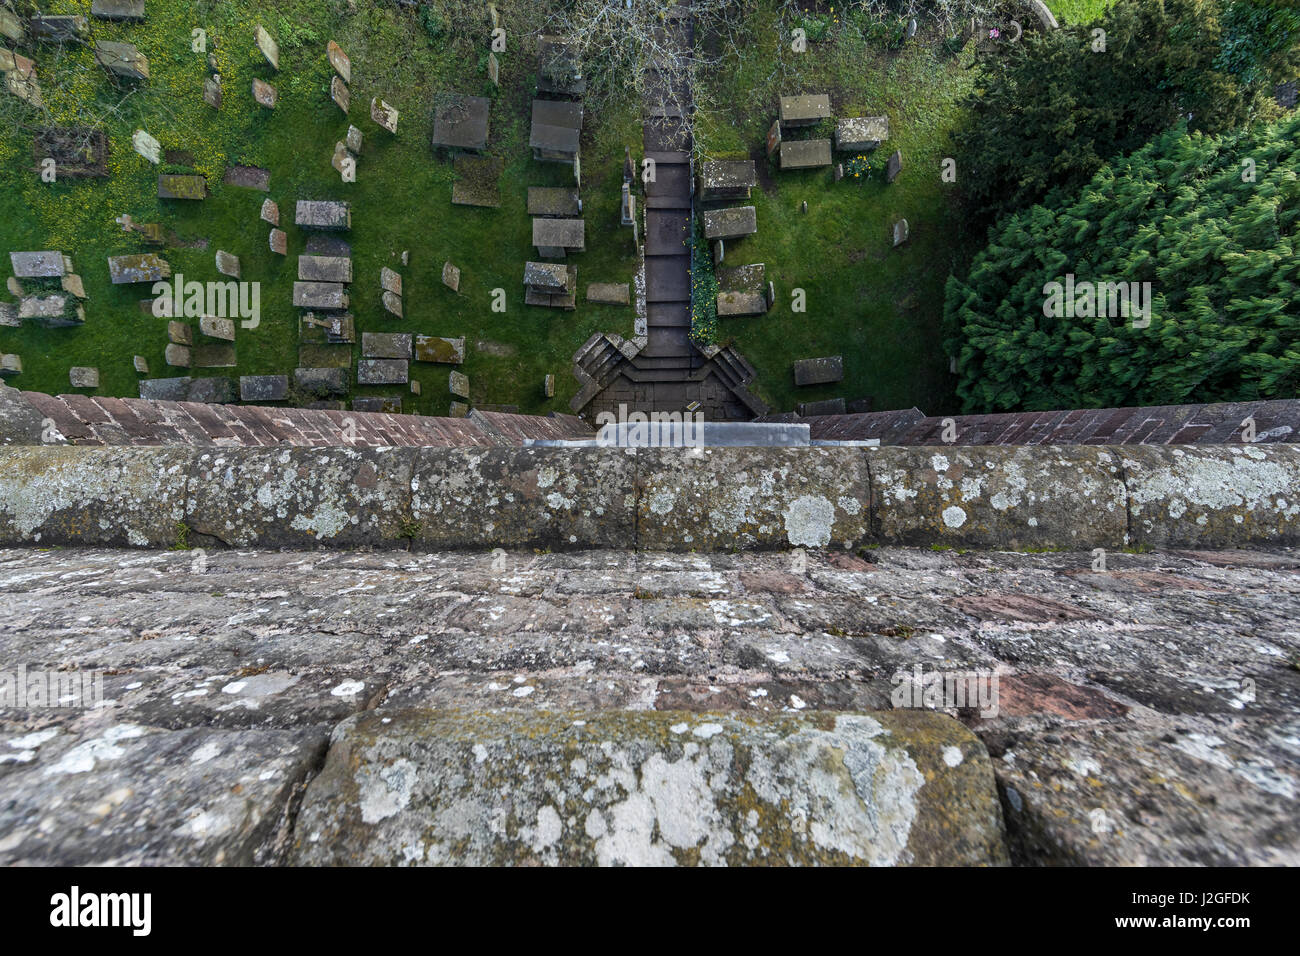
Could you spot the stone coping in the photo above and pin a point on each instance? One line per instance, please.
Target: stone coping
(711, 499)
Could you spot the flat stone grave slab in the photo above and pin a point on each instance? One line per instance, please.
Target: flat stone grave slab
(82, 376)
(451, 276)
(727, 179)
(560, 201)
(122, 59)
(132, 10)
(554, 237)
(442, 351)
(249, 177)
(323, 380)
(732, 304)
(180, 332)
(327, 328)
(369, 403)
(861, 133)
(731, 223)
(386, 345)
(263, 388)
(750, 278)
(324, 269)
(894, 166)
(165, 389)
(178, 356)
(270, 212)
(461, 122)
(384, 114)
(819, 371)
(320, 295)
(217, 328)
(382, 372)
(212, 390)
(325, 356)
(806, 110)
(141, 364)
(608, 293)
(266, 43)
(546, 276)
(38, 265)
(458, 383)
(145, 267)
(214, 355)
(176, 186)
(805, 154)
(390, 280)
(666, 232)
(477, 181)
(264, 94)
(339, 61)
(324, 244)
(328, 214)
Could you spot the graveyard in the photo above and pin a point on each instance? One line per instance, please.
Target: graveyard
(204, 147)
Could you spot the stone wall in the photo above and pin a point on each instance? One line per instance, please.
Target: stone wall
(33, 418)
(711, 499)
(388, 707)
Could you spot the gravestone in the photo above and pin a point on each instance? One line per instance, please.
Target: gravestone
(860, 134)
(415, 387)
(386, 345)
(57, 29)
(727, 179)
(344, 162)
(339, 61)
(73, 285)
(390, 281)
(731, 223)
(368, 404)
(264, 93)
(263, 388)
(323, 215)
(719, 251)
(227, 264)
(458, 410)
(212, 390)
(354, 140)
(554, 238)
(559, 201)
(608, 293)
(38, 265)
(270, 49)
(11, 27)
(10, 365)
(805, 153)
(179, 356)
(248, 177)
(451, 277)
(141, 365)
(805, 110)
(51, 311)
(732, 304)
(548, 386)
(839, 171)
(15, 287)
(383, 114)
(911, 28)
(270, 212)
(122, 60)
(895, 166)
(900, 232)
(279, 242)
(458, 383)
(442, 351)
(217, 328)
(180, 333)
(147, 146)
(212, 91)
(748, 278)
(165, 389)
(214, 355)
(819, 371)
(829, 406)
(145, 267)
(494, 69)
(132, 10)
(82, 376)
(9, 315)
(322, 381)
(174, 186)
(382, 372)
(340, 94)
(324, 269)
(320, 295)
(392, 303)
(461, 122)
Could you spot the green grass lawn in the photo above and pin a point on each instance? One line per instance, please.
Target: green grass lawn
(878, 306)
(401, 200)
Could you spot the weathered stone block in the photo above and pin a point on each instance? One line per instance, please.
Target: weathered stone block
(382, 372)
(386, 345)
(263, 388)
(217, 328)
(432, 348)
